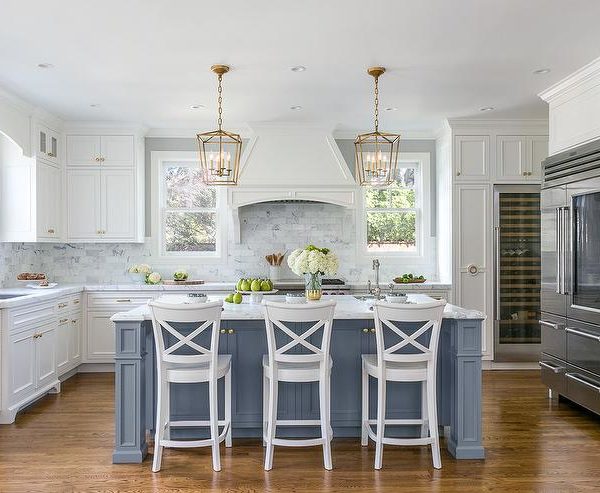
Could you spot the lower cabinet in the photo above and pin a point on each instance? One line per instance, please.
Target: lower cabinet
(100, 337)
(68, 342)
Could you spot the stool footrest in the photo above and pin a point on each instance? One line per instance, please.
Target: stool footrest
(399, 441)
(302, 442)
(186, 424)
(401, 422)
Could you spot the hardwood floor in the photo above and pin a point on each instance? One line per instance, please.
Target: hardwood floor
(64, 443)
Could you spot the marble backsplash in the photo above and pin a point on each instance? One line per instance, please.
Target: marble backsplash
(265, 228)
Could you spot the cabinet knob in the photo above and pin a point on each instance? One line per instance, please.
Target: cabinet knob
(230, 331)
(97, 159)
(366, 331)
(51, 231)
(62, 305)
(51, 154)
(373, 331)
(73, 321)
(458, 173)
(101, 159)
(223, 331)
(63, 320)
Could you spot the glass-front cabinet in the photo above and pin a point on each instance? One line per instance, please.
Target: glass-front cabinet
(517, 273)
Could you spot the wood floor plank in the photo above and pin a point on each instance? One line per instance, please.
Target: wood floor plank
(64, 443)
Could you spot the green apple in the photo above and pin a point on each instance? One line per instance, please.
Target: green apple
(229, 298)
(180, 275)
(237, 298)
(265, 286)
(245, 285)
(255, 286)
(238, 286)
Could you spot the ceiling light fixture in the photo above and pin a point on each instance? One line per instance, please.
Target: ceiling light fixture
(197, 107)
(45, 65)
(542, 71)
(219, 149)
(295, 108)
(376, 152)
(298, 68)
(391, 108)
(487, 108)
(94, 105)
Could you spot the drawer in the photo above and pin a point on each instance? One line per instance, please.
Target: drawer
(119, 301)
(35, 314)
(553, 373)
(75, 302)
(583, 388)
(583, 345)
(554, 337)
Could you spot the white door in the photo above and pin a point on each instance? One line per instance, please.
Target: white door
(117, 150)
(471, 157)
(83, 204)
(45, 347)
(512, 157)
(118, 204)
(75, 341)
(539, 152)
(100, 337)
(48, 196)
(83, 150)
(63, 341)
(22, 365)
(473, 238)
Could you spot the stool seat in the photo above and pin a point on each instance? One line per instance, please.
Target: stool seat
(396, 371)
(288, 371)
(196, 372)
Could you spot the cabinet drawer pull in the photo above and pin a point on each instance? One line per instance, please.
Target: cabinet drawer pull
(366, 331)
(372, 331)
(73, 321)
(549, 324)
(583, 334)
(124, 301)
(51, 231)
(230, 331)
(223, 331)
(63, 320)
(551, 367)
(573, 376)
(62, 305)
(76, 302)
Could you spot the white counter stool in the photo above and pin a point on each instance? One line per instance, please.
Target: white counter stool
(403, 356)
(185, 361)
(313, 365)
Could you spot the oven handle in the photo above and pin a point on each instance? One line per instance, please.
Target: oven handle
(551, 367)
(549, 324)
(582, 334)
(573, 376)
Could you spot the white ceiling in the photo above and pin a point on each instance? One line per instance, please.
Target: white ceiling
(147, 61)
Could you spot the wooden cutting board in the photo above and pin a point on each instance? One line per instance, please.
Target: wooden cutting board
(189, 282)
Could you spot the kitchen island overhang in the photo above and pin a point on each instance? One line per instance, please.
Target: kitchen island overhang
(243, 336)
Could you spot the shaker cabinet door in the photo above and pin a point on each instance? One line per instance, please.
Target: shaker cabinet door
(83, 150)
(118, 204)
(512, 157)
(472, 157)
(117, 150)
(83, 204)
(45, 355)
(48, 201)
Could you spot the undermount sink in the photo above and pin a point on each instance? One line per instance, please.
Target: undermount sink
(10, 296)
(364, 297)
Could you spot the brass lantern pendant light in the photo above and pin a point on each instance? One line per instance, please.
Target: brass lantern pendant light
(376, 152)
(219, 149)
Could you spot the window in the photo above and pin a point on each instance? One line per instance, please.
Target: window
(393, 213)
(189, 218)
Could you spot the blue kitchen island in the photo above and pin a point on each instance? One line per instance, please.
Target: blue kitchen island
(243, 336)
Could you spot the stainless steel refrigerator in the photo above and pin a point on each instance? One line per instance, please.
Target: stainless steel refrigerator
(517, 226)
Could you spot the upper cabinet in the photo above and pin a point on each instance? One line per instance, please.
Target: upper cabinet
(48, 144)
(105, 150)
(104, 187)
(519, 157)
(472, 157)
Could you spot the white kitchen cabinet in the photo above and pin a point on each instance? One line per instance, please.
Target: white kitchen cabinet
(48, 144)
(519, 157)
(101, 205)
(472, 157)
(48, 206)
(45, 356)
(472, 247)
(103, 150)
(100, 337)
(75, 340)
(21, 378)
(63, 340)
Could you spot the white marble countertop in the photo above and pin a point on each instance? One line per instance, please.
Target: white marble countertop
(348, 307)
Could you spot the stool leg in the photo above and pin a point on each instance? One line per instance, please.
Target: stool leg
(364, 436)
(228, 408)
(329, 427)
(272, 424)
(265, 417)
(380, 420)
(424, 410)
(161, 407)
(324, 415)
(214, 424)
(433, 423)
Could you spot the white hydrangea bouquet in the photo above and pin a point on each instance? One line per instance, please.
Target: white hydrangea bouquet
(139, 272)
(313, 262)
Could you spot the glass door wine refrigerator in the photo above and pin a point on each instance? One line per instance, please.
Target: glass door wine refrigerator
(517, 226)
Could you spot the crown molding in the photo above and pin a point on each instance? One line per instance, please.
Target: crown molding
(78, 127)
(540, 124)
(578, 79)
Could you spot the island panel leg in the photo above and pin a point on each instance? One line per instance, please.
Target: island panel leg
(130, 399)
(465, 440)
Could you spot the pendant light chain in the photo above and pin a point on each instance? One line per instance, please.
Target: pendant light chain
(220, 101)
(376, 104)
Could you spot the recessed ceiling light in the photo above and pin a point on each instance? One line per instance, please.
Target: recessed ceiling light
(298, 68)
(295, 108)
(542, 71)
(391, 108)
(487, 108)
(94, 105)
(45, 65)
(197, 107)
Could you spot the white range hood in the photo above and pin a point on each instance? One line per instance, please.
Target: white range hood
(292, 163)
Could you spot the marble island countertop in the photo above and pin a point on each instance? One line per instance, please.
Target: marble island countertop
(348, 307)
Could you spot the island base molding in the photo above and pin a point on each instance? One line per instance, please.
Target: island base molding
(459, 387)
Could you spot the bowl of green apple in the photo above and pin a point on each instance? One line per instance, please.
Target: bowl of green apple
(255, 287)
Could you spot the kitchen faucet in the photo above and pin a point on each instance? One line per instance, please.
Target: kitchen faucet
(376, 291)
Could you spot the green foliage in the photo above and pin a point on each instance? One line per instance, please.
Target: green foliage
(391, 227)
